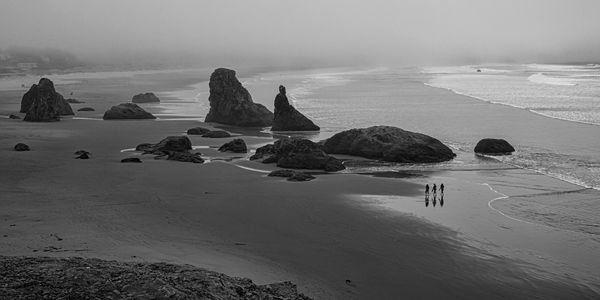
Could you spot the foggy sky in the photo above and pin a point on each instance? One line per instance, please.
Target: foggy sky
(379, 31)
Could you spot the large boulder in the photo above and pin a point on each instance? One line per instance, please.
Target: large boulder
(127, 111)
(389, 144)
(236, 146)
(230, 102)
(174, 143)
(298, 153)
(217, 134)
(145, 98)
(494, 147)
(43, 104)
(287, 118)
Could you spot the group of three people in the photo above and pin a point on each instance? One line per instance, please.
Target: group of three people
(434, 189)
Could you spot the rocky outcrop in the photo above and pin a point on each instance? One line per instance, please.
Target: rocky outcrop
(169, 144)
(287, 118)
(131, 160)
(198, 131)
(86, 109)
(494, 147)
(297, 153)
(389, 144)
(127, 111)
(292, 175)
(145, 98)
(43, 104)
(230, 102)
(11, 116)
(235, 146)
(22, 147)
(217, 134)
(185, 157)
(92, 278)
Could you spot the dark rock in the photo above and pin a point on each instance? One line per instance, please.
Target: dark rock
(297, 153)
(43, 104)
(263, 151)
(198, 131)
(11, 116)
(83, 156)
(86, 109)
(236, 146)
(146, 147)
(127, 111)
(292, 175)
(178, 143)
(217, 134)
(494, 147)
(131, 160)
(145, 98)
(185, 157)
(230, 102)
(287, 118)
(80, 152)
(21, 147)
(389, 144)
(75, 101)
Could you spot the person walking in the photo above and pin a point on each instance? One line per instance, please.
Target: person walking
(442, 188)
(434, 189)
(427, 190)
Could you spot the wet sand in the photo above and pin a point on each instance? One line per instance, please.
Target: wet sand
(340, 236)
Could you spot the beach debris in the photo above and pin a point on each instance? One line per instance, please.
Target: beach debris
(236, 146)
(292, 175)
(22, 147)
(198, 131)
(217, 134)
(91, 278)
(231, 103)
(494, 147)
(43, 104)
(86, 109)
(298, 153)
(145, 98)
(287, 118)
(131, 160)
(389, 143)
(11, 116)
(127, 111)
(75, 101)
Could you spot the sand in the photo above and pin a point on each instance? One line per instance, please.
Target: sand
(341, 236)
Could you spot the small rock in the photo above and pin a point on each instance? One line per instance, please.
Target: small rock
(71, 100)
(21, 147)
(80, 152)
(494, 147)
(236, 146)
(86, 109)
(14, 117)
(83, 156)
(185, 157)
(198, 131)
(131, 160)
(217, 134)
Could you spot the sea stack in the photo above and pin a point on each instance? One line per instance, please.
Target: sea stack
(230, 102)
(43, 104)
(145, 98)
(494, 147)
(389, 143)
(287, 118)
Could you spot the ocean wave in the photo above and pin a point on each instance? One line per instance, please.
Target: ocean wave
(543, 79)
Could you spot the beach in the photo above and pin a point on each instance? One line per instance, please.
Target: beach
(503, 231)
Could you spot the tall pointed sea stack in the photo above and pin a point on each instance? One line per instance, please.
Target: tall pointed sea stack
(43, 104)
(230, 102)
(287, 118)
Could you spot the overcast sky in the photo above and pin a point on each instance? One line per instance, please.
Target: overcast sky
(383, 31)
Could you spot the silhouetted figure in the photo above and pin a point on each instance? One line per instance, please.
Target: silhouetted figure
(442, 200)
(442, 188)
(434, 189)
(427, 190)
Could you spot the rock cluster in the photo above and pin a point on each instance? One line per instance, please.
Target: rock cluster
(145, 98)
(43, 104)
(90, 278)
(11, 116)
(494, 147)
(287, 118)
(230, 102)
(235, 146)
(292, 175)
(127, 111)
(298, 153)
(217, 134)
(172, 148)
(389, 144)
(198, 131)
